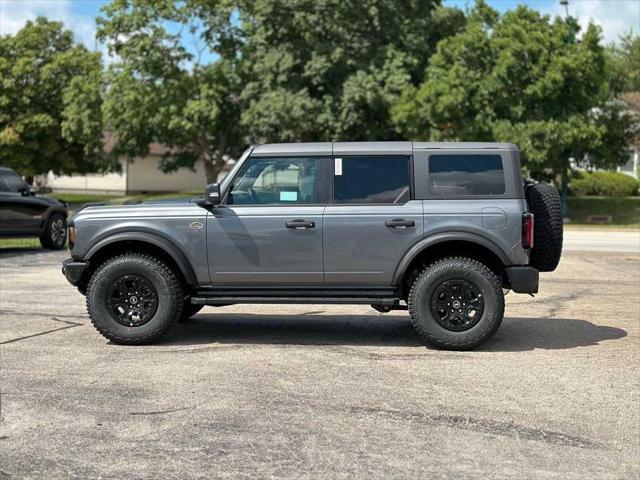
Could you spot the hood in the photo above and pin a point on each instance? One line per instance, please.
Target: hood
(51, 201)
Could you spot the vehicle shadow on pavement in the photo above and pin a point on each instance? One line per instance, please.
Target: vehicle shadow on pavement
(515, 334)
(301, 329)
(520, 334)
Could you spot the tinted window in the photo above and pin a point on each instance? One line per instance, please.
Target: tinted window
(275, 181)
(371, 180)
(12, 182)
(466, 175)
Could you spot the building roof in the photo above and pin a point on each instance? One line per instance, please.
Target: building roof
(109, 141)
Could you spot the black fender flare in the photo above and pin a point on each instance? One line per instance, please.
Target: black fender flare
(154, 239)
(62, 210)
(432, 240)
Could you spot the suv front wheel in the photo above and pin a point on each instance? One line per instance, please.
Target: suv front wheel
(133, 299)
(456, 303)
(54, 236)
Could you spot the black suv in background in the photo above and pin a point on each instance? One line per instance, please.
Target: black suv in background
(25, 214)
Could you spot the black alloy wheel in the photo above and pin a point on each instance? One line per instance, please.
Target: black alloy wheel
(132, 300)
(457, 305)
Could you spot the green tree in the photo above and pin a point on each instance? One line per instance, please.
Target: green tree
(623, 61)
(161, 92)
(300, 70)
(519, 77)
(50, 101)
(329, 69)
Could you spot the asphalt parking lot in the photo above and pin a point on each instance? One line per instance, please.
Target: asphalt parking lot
(325, 391)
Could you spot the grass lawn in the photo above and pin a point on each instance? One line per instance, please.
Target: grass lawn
(19, 243)
(625, 211)
(80, 198)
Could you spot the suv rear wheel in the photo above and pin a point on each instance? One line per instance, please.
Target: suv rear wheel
(456, 303)
(133, 299)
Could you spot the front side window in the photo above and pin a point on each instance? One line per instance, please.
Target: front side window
(371, 179)
(268, 181)
(466, 174)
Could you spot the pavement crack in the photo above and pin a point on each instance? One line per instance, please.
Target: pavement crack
(39, 314)
(507, 429)
(46, 332)
(162, 412)
(556, 302)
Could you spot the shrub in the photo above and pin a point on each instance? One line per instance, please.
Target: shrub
(608, 184)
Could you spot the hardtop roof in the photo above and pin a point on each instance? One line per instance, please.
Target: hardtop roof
(363, 148)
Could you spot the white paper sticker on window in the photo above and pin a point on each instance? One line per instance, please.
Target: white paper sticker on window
(288, 196)
(338, 162)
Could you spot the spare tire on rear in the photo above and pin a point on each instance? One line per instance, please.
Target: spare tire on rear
(545, 204)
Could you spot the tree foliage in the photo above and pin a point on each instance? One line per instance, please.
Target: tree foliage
(624, 64)
(329, 69)
(524, 78)
(50, 101)
(283, 71)
(161, 92)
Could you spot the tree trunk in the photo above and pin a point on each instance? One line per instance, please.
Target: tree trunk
(213, 165)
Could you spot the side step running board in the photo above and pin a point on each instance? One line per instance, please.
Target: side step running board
(300, 295)
(302, 300)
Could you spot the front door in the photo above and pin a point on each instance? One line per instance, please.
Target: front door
(269, 229)
(372, 221)
(20, 213)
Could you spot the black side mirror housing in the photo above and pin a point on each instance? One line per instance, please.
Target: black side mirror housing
(27, 191)
(212, 195)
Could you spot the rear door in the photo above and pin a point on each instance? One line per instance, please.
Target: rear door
(269, 228)
(372, 221)
(473, 190)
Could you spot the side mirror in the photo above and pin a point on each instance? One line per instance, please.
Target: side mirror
(26, 191)
(212, 195)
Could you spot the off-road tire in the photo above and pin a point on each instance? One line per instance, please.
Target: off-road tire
(545, 204)
(162, 278)
(54, 236)
(189, 310)
(456, 268)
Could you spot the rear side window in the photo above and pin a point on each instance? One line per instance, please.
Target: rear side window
(466, 174)
(371, 179)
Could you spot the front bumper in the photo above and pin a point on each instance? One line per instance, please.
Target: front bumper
(523, 279)
(73, 270)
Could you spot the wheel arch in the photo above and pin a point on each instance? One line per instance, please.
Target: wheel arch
(449, 244)
(143, 242)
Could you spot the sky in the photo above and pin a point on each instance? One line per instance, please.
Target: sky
(615, 17)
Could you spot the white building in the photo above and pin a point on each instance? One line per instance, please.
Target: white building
(140, 175)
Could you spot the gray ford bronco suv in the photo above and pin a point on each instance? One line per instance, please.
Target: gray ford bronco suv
(440, 229)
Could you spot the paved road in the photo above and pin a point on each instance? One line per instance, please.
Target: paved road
(324, 391)
(585, 240)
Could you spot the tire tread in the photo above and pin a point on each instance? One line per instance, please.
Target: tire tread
(175, 287)
(448, 262)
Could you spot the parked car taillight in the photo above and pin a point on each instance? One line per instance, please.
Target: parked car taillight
(527, 230)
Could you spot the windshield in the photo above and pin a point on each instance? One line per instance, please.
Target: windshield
(227, 178)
